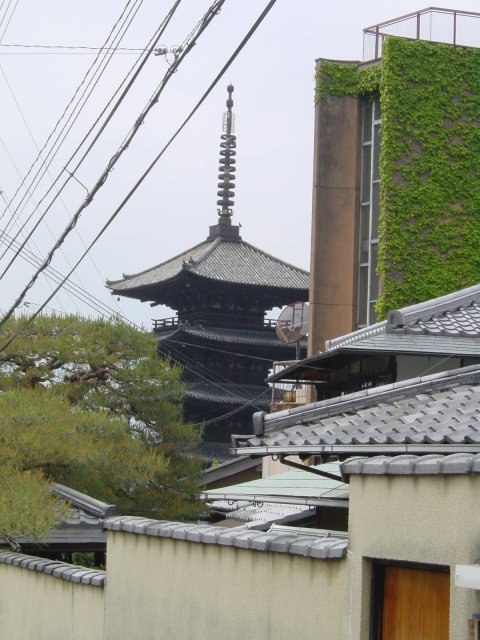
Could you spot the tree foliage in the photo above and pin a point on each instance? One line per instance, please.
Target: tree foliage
(89, 404)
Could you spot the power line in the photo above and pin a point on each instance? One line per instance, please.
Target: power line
(202, 25)
(185, 361)
(78, 106)
(71, 174)
(70, 47)
(151, 166)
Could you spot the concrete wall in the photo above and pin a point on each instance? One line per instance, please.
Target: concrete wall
(424, 519)
(335, 205)
(162, 589)
(36, 606)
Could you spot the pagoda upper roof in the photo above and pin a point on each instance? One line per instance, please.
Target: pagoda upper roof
(220, 259)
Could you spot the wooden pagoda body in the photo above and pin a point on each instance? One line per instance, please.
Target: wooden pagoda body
(221, 290)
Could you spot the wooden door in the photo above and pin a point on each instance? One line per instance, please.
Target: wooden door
(416, 604)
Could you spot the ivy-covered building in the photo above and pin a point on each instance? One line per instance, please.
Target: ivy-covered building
(396, 194)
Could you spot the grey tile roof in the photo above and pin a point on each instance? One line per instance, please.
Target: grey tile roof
(418, 343)
(305, 545)
(454, 315)
(456, 463)
(61, 570)
(237, 336)
(441, 409)
(88, 506)
(228, 393)
(224, 260)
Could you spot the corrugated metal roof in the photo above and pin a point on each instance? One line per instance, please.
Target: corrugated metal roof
(235, 262)
(299, 485)
(254, 515)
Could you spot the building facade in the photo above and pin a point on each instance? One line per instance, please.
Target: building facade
(396, 190)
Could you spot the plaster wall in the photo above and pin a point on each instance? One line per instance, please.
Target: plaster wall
(36, 606)
(335, 203)
(424, 519)
(161, 589)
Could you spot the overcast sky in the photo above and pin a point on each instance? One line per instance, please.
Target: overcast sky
(273, 78)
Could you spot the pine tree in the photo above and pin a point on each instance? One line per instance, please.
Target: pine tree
(89, 404)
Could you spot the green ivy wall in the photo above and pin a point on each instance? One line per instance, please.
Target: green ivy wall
(429, 165)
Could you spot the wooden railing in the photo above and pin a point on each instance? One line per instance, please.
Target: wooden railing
(165, 324)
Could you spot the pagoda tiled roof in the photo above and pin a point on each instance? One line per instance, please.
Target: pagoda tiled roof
(228, 393)
(222, 260)
(230, 336)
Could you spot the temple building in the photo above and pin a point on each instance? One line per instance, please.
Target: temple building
(221, 290)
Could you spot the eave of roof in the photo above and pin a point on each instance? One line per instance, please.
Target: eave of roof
(235, 262)
(431, 414)
(228, 336)
(228, 393)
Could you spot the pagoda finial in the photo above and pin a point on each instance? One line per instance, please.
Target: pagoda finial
(227, 162)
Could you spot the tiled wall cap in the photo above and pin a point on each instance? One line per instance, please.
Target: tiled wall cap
(432, 464)
(153, 529)
(240, 537)
(227, 537)
(244, 539)
(195, 533)
(283, 543)
(329, 549)
(211, 536)
(58, 570)
(402, 465)
(181, 533)
(167, 529)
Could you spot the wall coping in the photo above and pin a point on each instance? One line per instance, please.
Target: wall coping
(320, 547)
(411, 465)
(56, 569)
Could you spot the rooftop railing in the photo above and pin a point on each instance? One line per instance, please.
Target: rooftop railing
(434, 24)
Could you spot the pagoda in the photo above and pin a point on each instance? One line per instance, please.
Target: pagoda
(221, 290)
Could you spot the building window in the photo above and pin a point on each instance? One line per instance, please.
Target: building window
(369, 213)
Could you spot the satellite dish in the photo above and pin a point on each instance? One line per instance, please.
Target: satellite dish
(292, 323)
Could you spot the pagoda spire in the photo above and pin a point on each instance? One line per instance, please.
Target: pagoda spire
(227, 162)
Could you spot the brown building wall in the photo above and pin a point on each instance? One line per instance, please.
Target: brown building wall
(336, 184)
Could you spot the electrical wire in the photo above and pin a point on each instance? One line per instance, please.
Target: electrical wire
(148, 170)
(78, 106)
(70, 47)
(209, 16)
(232, 353)
(185, 361)
(9, 19)
(21, 227)
(71, 174)
(144, 175)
